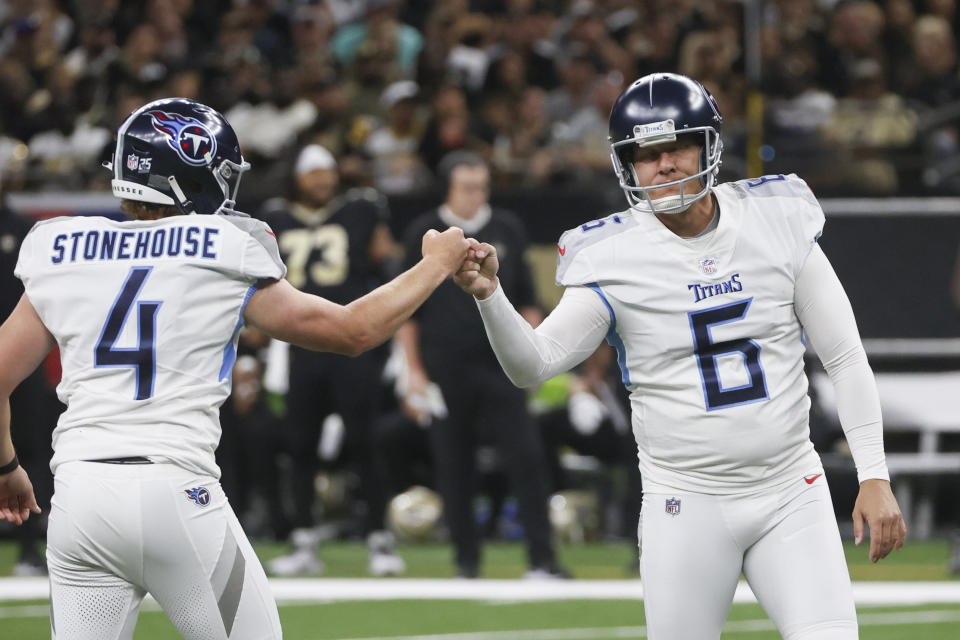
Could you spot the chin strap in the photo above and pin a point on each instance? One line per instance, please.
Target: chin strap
(667, 204)
(180, 197)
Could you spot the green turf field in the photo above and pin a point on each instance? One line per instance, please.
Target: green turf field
(469, 620)
(556, 620)
(610, 561)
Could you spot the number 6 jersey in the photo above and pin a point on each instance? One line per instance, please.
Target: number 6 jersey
(706, 335)
(147, 316)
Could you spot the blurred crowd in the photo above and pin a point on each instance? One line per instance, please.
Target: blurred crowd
(860, 96)
(344, 105)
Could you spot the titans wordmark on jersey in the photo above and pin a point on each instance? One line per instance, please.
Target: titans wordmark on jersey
(327, 250)
(706, 335)
(147, 316)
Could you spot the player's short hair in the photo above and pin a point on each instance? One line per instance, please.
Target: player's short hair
(138, 210)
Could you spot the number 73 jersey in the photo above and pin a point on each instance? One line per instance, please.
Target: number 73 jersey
(147, 316)
(327, 250)
(706, 335)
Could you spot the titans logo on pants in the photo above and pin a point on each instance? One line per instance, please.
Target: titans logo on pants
(199, 495)
(192, 141)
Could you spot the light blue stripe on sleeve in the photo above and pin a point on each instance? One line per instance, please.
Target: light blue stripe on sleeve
(230, 351)
(613, 338)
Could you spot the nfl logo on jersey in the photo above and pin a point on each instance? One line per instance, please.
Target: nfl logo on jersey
(673, 506)
(708, 266)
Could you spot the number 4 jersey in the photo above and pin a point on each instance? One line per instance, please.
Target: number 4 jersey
(706, 335)
(147, 316)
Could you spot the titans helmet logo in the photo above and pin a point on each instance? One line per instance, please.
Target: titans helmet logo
(192, 141)
(199, 495)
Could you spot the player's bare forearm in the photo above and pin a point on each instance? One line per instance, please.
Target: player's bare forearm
(6, 443)
(314, 323)
(379, 314)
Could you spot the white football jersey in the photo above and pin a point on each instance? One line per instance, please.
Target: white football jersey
(706, 335)
(147, 316)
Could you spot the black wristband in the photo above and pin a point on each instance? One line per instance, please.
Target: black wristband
(10, 466)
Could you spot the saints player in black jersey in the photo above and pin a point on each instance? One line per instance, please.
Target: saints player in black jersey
(334, 245)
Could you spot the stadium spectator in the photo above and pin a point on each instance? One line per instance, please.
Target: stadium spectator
(380, 30)
(332, 124)
(900, 16)
(521, 142)
(139, 59)
(578, 142)
(934, 80)
(525, 33)
(311, 30)
(866, 128)
(854, 34)
(578, 72)
(585, 35)
(397, 168)
(270, 53)
(449, 128)
(468, 61)
(797, 107)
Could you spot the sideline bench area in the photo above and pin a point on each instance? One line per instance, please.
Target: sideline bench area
(926, 404)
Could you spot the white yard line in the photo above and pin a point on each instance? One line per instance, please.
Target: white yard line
(343, 589)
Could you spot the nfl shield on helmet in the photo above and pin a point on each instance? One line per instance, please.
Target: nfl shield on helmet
(656, 109)
(178, 152)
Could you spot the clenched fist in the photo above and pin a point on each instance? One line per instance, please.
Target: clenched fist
(448, 248)
(478, 274)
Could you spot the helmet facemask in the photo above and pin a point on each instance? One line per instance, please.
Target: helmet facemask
(646, 135)
(228, 177)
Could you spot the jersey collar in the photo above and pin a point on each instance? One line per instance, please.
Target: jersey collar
(470, 226)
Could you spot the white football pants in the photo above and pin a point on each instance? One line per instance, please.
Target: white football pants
(119, 531)
(784, 540)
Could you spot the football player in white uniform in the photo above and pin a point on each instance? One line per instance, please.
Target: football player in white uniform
(706, 292)
(146, 314)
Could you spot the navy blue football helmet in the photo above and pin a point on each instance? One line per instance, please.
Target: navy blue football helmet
(178, 152)
(656, 109)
